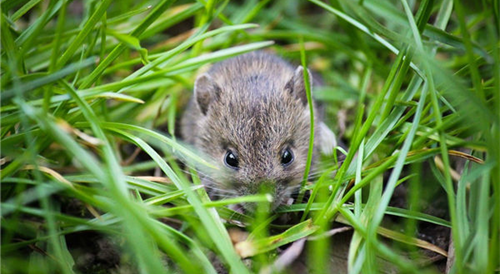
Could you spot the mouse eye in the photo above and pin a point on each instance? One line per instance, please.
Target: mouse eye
(231, 160)
(286, 157)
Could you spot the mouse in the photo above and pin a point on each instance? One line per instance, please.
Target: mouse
(250, 115)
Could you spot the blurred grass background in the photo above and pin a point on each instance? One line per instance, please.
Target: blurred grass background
(90, 95)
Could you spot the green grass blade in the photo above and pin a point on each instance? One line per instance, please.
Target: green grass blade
(84, 33)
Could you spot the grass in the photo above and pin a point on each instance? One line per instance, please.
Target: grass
(91, 92)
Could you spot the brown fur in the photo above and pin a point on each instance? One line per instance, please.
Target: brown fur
(255, 105)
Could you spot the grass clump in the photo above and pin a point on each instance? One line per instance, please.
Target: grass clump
(91, 92)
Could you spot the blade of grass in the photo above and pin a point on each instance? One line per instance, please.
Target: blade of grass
(208, 217)
(187, 65)
(363, 28)
(125, 209)
(84, 33)
(311, 120)
(157, 11)
(23, 10)
(46, 79)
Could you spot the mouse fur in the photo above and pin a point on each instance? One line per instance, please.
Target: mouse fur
(254, 106)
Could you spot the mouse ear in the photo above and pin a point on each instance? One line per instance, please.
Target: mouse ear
(297, 87)
(205, 91)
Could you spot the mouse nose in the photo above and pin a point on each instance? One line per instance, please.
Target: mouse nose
(262, 186)
(266, 186)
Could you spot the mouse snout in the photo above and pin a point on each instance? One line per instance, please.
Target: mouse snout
(262, 186)
(274, 188)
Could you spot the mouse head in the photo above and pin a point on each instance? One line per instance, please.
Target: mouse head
(257, 128)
